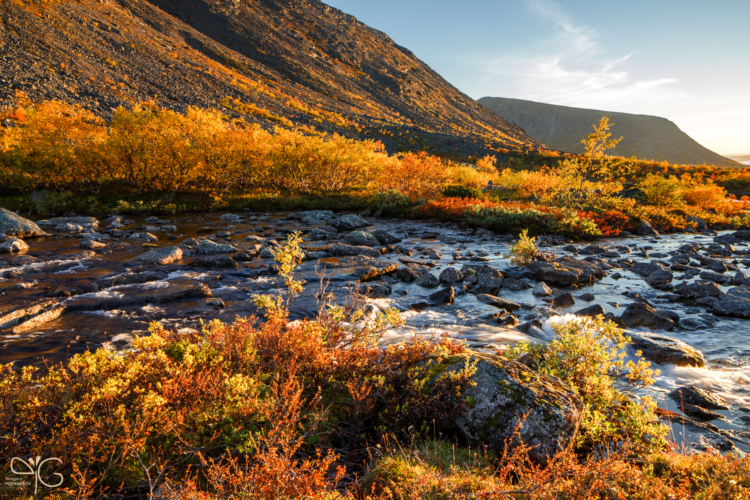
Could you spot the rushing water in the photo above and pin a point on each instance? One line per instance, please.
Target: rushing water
(56, 266)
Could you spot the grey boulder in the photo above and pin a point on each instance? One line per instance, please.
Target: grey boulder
(565, 271)
(15, 226)
(662, 349)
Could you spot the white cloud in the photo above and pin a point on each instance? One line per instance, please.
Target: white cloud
(570, 69)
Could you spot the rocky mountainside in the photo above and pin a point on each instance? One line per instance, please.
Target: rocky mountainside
(291, 63)
(645, 137)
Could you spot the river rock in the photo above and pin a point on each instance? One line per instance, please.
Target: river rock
(565, 271)
(386, 238)
(156, 292)
(699, 413)
(208, 247)
(341, 250)
(716, 265)
(91, 245)
(640, 314)
(215, 261)
(644, 269)
(13, 225)
(143, 237)
(715, 277)
(489, 279)
(349, 222)
(444, 296)
(161, 256)
(375, 270)
(38, 320)
(660, 278)
(498, 302)
(505, 394)
(361, 238)
(451, 275)
(410, 273)
(699, 397)
(662, 349)
(231, 218)
(17, 315)
(591, 311)
(376, 290)
(698, 290)
(646, 229)
(427, 280)
(563, 300)
(131, 278)
(87, 222)
(13, 246)
(735, 303)
(541, 289)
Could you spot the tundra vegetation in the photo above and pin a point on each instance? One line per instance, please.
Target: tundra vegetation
(267, 408)
(149, 159)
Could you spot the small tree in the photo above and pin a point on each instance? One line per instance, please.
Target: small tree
(594, 163)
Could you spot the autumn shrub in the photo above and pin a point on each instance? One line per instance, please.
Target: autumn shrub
(462, 191)
(417, 175)
(390, 204)
(523, 252)
(542, 185)
(611, 222)
(661, 191)
(588, 354)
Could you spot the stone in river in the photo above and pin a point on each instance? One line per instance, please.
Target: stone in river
(156, 292)
(563, 300)
(161, 256)
(639, 314)
(541, 289)
(91, 245)
(18, 314)
(362, 238)
(698, 289)
(565, 271)
(13, 246)
(375, 290)
(662, 349)
(444, 297)
(427, 280)
(735, 303)
(699, 413)
(216, 261)
(40, 319)
(208, 247)
(646, 229)
(498, 302)
(450, 275)
(489, 279)
(349, 222)
(591, 311)
(15, 226)
(143, 237)
(659, 278)
(386, 238)
(698, 397)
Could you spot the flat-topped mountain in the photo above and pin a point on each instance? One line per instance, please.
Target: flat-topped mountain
(287, 62)
(645, 137)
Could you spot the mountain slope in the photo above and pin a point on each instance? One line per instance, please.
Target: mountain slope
(645, 137)
(295, 62)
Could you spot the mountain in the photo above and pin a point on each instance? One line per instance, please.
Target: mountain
(740, 158)
(645, 137)
(292, 63)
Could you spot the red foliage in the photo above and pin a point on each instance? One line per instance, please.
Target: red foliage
(610, 223)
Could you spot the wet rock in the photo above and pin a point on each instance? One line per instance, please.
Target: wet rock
(430, 254)
(641, 314)
(13, 225)
(690, 324)
(509, 320)
(91, 245)
(417, 262)
(489, 279)
(349, 222)
(591, 311)
(504, 394)
(735, 303)
(427, 280)
(699, 413)
(498, 302)
(68, 228)
(515, 285)
(208, 247)
(157, 292)
(386, 238)
(563, 300)
(716, 265)
(217, 261)
(230, 218)
(646, 229)
(444, 296)
(660, 278)
(312, 216)
(565, 271)
(217, 303)
(143, 237)
(160, 256)
(700, 224)
(362, 238)
(662, 349)
(130, 278)
(40, 319)
(586, 297)
(699, 397)
(17, 315)
(376, 290)
(13, 246)
(375, 271)
(541, 289)
(450, 275)
(341, 250)
(410, 273)
(644, 269)
(715, 277)
(87, 222)
(698, 289)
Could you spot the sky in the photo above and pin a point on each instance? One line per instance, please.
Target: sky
(685, 60)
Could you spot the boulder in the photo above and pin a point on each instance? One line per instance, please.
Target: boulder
(700, 224)
(699, 413)
(645, 269)
(410, 273)
(143, 237)
(735, 303)
(716, 265)
(208, 247)
(157, 292)
(662, 349)
(340, 250)
(515, 285)
(563, 300)
(591, 311)
(451, 275)
(13, 246)
(349, 222)
(216, 261)
(505, 395)
(15, 226)
(444, 296)
(541, 289)
(489, 279)
(362, 238)
(641, 314)
(91, 245)
(18, 315)
(386, 238)
(698, 290)
(130, 278)
(646, 229)
(427, 280)
(377, 290)
(659, 278)
(161, 256)
(699, 397)
(498, 302)
(565, 271)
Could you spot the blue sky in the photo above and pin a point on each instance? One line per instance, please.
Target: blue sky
(685, 60)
